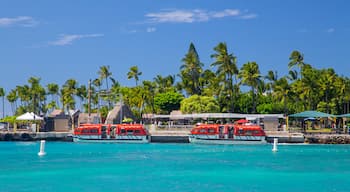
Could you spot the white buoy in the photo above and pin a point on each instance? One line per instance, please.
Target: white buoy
(275, 141)
(42, 148)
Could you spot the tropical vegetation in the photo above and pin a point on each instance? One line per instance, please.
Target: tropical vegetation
(221, 87)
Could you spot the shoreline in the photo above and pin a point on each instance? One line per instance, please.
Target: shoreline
(182, 137)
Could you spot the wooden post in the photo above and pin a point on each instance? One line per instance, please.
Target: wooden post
(287, 126)
(14, 127)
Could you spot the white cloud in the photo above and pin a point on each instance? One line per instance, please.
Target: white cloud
(68, 39)
(195, 15)
(23, 21)
(249, 16)
(330, 30)
(151, 29)
(226, 13)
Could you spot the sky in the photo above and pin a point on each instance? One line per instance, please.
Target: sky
(59, 40)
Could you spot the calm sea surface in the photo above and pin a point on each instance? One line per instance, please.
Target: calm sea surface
(173, 167)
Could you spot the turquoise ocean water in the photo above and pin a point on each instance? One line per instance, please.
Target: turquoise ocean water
(173, 167)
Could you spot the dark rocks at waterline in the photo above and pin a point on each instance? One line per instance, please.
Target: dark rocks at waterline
(28, 136)
(327, 139)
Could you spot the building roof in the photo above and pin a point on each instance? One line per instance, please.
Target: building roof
(315, 114)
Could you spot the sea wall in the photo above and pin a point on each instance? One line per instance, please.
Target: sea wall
(30, 136)
(327, 139)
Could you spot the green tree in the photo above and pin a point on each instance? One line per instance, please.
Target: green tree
(282, 91)
(164, 84)
(68, 91)
(134, 73)
(190, 71)
(53, 90)
(250, 76)
(168, 101)
(82, 94)
(296, 59)
(226, 70)
(12, 98)
(199, 104)
(104, 73)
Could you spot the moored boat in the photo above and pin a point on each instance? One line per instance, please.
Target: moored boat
(109, 133)
(227, 134)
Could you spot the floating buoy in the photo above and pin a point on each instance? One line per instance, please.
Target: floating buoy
(275, 141)
(42, 148)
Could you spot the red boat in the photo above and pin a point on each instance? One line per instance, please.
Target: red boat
(120, 133)
(227, 134)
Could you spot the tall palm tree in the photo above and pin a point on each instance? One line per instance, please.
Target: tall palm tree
(104, 73)
(2, 94)
(53, 90)
(272, 77)
(68, 92)
(226, 64)
(297, 59)
(82, 93)
(327, 84)
(281, 92)
(150, 91)
(37, 94)
(12, 98)
(134, 73)
(190, 71)
(250, 76)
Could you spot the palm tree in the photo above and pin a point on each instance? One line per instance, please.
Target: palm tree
(149, 90)
(191, 70)
(37, 93)
(105, 73)
(2, 94)
(12, 98)
(272, 77)
(327, 84)
(82, 93)
(282, 91)
(296, 59)
(134, 73)
(53, 90)
(250, 76)
(68, 92)
(226, 69)
(292, 75)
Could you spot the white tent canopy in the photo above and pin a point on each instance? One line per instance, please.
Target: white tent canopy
(29, 116)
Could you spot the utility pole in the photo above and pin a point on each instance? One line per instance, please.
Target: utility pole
(121, 107)
(89, 101)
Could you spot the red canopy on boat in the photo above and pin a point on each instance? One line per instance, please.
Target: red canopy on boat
(242, 121)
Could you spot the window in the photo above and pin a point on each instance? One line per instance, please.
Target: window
(248, 133)
(93, 131)
(137, 131)
(211, 130)
(123, 131)
(202, 130)
(85, 131)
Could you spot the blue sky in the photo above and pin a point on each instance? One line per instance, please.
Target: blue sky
(58, 40)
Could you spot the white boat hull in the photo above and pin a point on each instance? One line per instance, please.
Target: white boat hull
(118, 139)
(202, 140)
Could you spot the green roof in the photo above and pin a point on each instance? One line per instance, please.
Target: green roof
(315, 114)
(344, 115)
